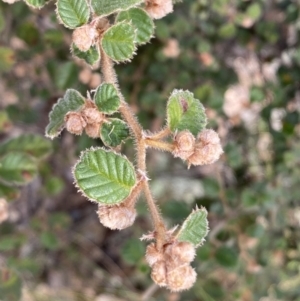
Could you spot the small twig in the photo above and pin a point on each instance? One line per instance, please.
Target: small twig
(159, 226)
(161, 134)
(149, 292)
(109, 75)
(164, 146)
(222, 191)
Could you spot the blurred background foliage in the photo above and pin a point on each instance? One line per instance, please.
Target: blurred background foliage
(242, 60)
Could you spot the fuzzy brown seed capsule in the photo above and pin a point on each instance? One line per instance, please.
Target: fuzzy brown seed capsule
(181, 252)
(181, 278)
(93, 130)
(184, 145)
(208, 149)
(152, 255)
(157, 9)
(208, 137)
(92, 115)
(116, 217)
(75, 123)
(158, 273)
(84, 37)
(3, 210)
(102, 25)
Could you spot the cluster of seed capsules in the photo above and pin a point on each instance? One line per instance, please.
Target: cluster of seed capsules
(171, 266)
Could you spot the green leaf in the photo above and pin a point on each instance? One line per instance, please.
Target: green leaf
(49, 240)
(104, 176)
(194, 228)
(141, 22)
(73, 13)
(10, 285)
(5, 122)
(133, 251)
(34, 145)
(63, 74)
(254, 11)
(72, 101)
(107, 98)
(9, 193)
(91, 57)
(184, 112)
(227, 31)
(36, 3)
(2, 20)
(107, 7)
(7, 58)
(226, 256)
(204, 252)
(17, 168)
(54, 185)
(9, 243)
(114, 132)
(118, 42)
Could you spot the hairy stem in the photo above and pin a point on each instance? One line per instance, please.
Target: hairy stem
(161, 134)
(132, 198)
(109, 75)
(161, 145)
(160, 228)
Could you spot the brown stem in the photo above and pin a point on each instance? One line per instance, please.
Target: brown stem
(137, 131)
(131, 120)
(137, 189)
(108, 71)
(161, 134)
(160, 228)
(161, 145)
(110, 77)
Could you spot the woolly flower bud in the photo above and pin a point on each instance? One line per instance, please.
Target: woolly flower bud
(75, 123)
(209, 136)
(181, 278)
(158, 273)
(116, 217)
(93, 130)
(184, 145)
(208, 149)
(152, 255)
(3, 210)
(84, 37)
(92, 115)
(183, 252)
(157, 9)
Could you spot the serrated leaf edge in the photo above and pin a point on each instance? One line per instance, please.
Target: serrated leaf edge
(6, 141)
(18, 184)
(107, 151)
(36, 7)
(56, 104)
(134, 42)
(177, 91)
(95, 65)
(151, 37)
(62, 22)
(117, 10)
(108, 121)
(188, 218)
(99, 87)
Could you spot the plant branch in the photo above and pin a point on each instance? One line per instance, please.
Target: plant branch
(161, 134)
(161, 145)
(109, 75)
(160, 228)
